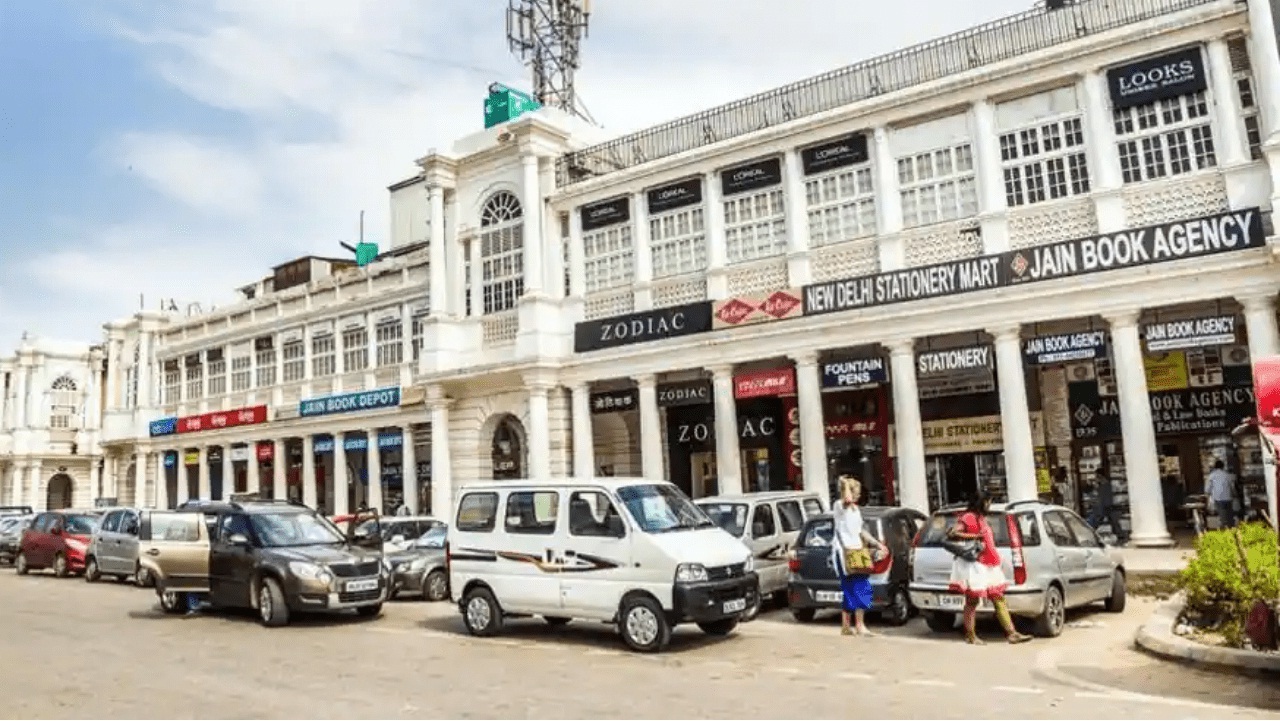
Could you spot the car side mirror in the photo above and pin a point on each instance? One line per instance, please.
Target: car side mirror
(397, 539)
(615, 527)
(238, 539)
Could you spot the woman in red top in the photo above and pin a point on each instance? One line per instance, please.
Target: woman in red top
(982, 578)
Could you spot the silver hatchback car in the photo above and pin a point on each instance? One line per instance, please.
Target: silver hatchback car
(1053, 560)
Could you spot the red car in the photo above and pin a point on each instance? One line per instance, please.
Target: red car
(57, 540)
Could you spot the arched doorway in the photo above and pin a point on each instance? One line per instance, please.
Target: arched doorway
(59, 495)
(508, 452)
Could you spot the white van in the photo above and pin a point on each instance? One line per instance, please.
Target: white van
(631, 552)
(768, 522)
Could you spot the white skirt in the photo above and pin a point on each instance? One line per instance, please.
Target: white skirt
(977, 580)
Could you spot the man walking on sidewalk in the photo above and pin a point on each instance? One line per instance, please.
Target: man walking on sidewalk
(1221, 491)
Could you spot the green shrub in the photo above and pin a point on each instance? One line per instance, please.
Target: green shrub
(1219, 592)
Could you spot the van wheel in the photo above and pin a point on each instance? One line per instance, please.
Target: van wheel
(20, 564)
(723, 627)
(1050, 622)
(436, 586)
(643, 625)
(91, 572)
(60, 568)
(804, 615)
(272, 609)
(940, 622)
(1115, 602)
(481, 613)
(172, 602)
(753, 609)
(898, 612)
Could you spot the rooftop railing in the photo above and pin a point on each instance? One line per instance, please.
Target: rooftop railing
(993, 42)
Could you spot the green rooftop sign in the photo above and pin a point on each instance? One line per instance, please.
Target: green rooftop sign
(504, 104)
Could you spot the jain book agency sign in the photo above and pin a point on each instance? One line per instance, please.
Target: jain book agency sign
(1182, 334)
(1065, 347)
(1210, 235)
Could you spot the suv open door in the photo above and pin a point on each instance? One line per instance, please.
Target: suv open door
(173, 546)
(364, 530)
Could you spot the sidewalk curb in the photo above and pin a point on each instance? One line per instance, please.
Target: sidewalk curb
(1156, 637)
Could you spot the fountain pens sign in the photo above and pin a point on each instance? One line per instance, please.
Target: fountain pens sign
(350, 402)
(680, 320)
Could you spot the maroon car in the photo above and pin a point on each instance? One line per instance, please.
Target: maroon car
(56, 540)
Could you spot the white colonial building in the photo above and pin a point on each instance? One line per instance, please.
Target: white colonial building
(1007, 260)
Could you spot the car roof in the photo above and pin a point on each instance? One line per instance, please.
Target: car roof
(758, 496)
(867, 511)
(1003, 507)
(612, 483)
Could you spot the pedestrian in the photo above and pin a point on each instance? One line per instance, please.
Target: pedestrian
(851, 558)
(981, 579)
(1104, 508)
(1221, 491)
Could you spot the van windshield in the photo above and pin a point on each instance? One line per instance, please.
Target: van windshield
(662, 508)
(732, 517)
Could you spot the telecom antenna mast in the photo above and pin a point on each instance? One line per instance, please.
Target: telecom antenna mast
(547, 35)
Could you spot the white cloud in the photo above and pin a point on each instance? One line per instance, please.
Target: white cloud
(340, 96)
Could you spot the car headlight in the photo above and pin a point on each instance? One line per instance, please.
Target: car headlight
(309, 571)
(418, 564)
(749, 565)
(691, 573)
(76, 545)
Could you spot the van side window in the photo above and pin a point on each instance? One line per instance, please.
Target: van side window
(592, 514)
(762, 525)
(532, 512)
(112, 521)
(812, 507)
(477, 513)
(790, 515)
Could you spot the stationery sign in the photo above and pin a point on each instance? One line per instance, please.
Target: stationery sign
(1065, 347)
(942, 362)
(349, 402)
(223, 419)
(1166, 76)
(1183, 334)
(163, 427)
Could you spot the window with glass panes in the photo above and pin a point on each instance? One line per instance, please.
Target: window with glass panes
(678, 241)
(217, 374)
(418, 332)
(324, 361)
(241, 373)
(842, 205)
(502, 252)
(65, 403)
(195, 381)
(607, 255)
(1044, 161)
(938, 186)
(755, 225)
(266, 362)
(172, 383)
(355, 349)
(390, 340)
(1168, 137)
(1242, 73)
(293, 357)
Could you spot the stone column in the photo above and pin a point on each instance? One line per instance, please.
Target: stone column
(1104, 162)
(184, 482)
(373, 466)
(409, 469)
(145, 370)
(113, 374)
(1264, 57)
(20, 394)
(1229, 138)
(1015, 416)
(95, 478)
(992, 203)
(441, 472)
(650, 428)
(539, 429)
(1142, 469)
(913, 484)
(577, 261)
(642, 251)
(437, 267)
(728, 453)
(797, 203)
(160, 489)
(228, 473)
(39, 501)
(309, 469)
(149, 497)
(813, 433)
(584, 452)
(888, 202)
(279, 469)
(341, 479)
(253, 471)
(531, 200)
(203, 474)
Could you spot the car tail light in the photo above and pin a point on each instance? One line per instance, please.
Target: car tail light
(1015, 551)
(793, 562)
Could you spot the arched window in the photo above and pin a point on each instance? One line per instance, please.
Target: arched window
(502, 252)
(64, 403)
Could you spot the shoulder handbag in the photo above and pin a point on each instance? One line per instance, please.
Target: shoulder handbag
(966, 550)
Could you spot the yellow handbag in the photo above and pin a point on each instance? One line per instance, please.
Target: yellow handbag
(857, 561)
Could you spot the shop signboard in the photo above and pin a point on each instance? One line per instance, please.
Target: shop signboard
(752, 176)
(170, 459)
(603, 215)
(1170, 75)
(1175, 412)
(676, 195)
(214, 454)
(854, 373)
(749, 309)
(838, 153)
(1065, 347)
(223, 419)
(1183, 334)
(954, 372)
(942, 362)
(651, 325)
(239, 453)
(978, 434)
(762, 384)
(191, 458)
(350, 402)
(851, 427)
(685, 393)
(616, 401)
(163, 427)
(322, 444)
(1166, 371)
(1194, 238)
(266, 451)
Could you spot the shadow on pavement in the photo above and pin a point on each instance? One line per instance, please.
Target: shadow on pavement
(250, 617)
(579, 634)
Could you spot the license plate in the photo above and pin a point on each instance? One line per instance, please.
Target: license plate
(949, 600)
(367, 584)
(736, 605)
(827, 596)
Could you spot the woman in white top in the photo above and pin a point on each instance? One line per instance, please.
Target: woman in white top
(850, 535)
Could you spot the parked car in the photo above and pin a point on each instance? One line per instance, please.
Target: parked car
(113, 550)
(398, 533)
(56, 540)
(421, 568)
(768, 523)
(1053, 560)
(631, 552)
(16, 511)
(274, 557)
(814, 586)
(11, 527)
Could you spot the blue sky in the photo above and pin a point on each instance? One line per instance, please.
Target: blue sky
(181, 148)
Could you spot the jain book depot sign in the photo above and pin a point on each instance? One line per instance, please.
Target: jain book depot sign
(350, 402)
(1184, 239)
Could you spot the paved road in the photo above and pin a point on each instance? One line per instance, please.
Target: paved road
(75, 650)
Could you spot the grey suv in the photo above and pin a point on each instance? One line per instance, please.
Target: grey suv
(1052, 559)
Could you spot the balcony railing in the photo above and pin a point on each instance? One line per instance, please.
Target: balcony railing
(993, 42)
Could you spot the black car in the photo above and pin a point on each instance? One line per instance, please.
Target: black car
(814, 586)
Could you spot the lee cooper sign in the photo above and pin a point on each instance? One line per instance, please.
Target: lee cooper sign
(1168, 76)
(223, 419)
(651, 325)
(602, 215)
(1182, 334)
(748, 309)
(760, 384)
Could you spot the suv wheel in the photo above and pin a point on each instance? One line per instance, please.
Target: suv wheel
(1115, 602)
(436, 586)
(172, 602)
(480, 612)
(940, 621)
(898, 611)
(1050, 622)
(272, 609)
(644, 624)
(803, 615)
(20, 564)
(142, 577)
(60, 568)
(91, 572)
